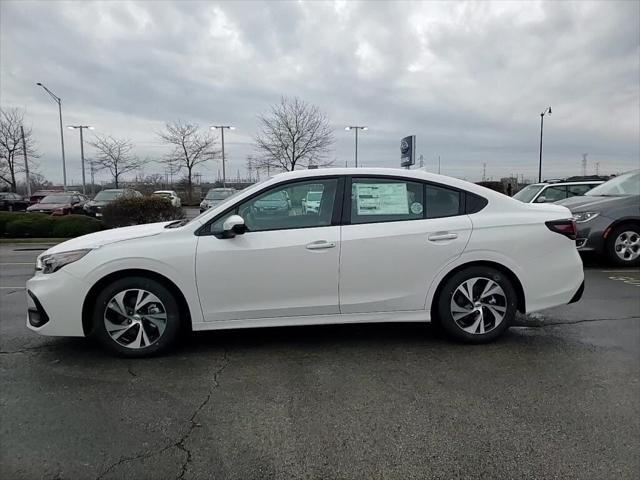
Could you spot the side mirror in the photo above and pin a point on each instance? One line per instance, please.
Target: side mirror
(541, 199)
(234, 225)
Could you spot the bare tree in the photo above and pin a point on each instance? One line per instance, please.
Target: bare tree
(190, 148)
(115, 155)
(11, 159)
(294, 133)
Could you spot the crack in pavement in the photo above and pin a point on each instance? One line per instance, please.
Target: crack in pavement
(179, 444)
(538, 323)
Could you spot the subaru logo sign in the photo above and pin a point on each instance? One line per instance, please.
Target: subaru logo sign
(408, 151)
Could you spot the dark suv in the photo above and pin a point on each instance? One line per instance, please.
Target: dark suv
(608, 219)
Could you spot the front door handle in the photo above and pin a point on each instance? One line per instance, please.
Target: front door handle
(436, 237)
(320, 245)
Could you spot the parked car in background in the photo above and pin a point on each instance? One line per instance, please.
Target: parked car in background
(311, 203)
(40, 194)
(402, 245)
(12, 202)
(215, 196)
(60, 204)
(94, 207)
(548, 192)
(169, 195)
(608, 219)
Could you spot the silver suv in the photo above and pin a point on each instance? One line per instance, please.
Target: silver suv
(554, 191)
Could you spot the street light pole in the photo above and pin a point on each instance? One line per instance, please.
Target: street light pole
(81, 127)
(58, 100)
(221, 128)
(356, 128)
(544, 112)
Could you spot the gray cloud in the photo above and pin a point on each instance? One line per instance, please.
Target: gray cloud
(469, 79)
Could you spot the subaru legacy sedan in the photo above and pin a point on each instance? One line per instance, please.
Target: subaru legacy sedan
(384, 245)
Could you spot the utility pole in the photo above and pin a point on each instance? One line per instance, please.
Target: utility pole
(544, 112)
(221, 128)
(438, 164)
(484, 172)
(92, 169)
(356, 128)
(26, 161)
(421, 161)
(597, 167)
(584, 164)
(81, 128)
(58, 100)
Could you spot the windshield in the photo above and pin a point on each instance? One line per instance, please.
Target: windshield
(56, 199)
(219, 194)
(627, 184)
(107, 195)
(527, 193)
(161, 194)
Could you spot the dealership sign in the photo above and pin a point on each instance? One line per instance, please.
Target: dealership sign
(408, 151)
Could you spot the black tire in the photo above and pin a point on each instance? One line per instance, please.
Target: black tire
(169, 303)
(508, 302)
(610, 245)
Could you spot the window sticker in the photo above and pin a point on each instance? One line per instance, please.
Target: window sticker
(382, 198)
(416, 208)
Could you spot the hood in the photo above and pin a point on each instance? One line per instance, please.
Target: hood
(99, 239)
(590, 202)
(98, 203)
(48, 206)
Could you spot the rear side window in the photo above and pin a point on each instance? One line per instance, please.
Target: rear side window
(474, 203)
(386, 200)
(442, 202)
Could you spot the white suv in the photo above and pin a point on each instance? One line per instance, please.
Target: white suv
(547, 192)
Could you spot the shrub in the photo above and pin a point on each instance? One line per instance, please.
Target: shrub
(40, 225)
(75, 226)
(135, 211)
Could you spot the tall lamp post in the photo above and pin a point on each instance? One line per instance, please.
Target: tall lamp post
(81, 127)
(544, 112)
(58, 100)
(356, 128)
(221, 128)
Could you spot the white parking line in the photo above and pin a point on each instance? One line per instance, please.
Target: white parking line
(12, 288)
(17, 263)
(620, 271)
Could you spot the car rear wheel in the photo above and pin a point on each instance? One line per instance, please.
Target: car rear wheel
(136, 317)
(477, 304)
(623, 245)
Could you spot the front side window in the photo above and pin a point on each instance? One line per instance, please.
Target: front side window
(287, 206)
(386, 200)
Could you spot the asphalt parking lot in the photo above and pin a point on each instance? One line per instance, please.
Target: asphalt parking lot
(557, 397)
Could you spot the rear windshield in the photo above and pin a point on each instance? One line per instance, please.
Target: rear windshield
(219, 194)
(107, 195)
(56, 199)
(627, 184)
(527, 193)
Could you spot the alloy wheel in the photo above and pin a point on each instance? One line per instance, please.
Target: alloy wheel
(627, 246)
(135, 318)
(478, 305)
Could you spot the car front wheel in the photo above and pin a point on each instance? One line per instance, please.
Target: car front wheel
(136, 317)
(623, 245)
(477, 304)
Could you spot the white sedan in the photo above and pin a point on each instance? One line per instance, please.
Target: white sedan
(384, 245)
(169, 195)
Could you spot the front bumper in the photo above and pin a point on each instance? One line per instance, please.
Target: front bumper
(590, 237)
(58, 296)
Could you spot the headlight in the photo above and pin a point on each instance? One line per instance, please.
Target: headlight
(55, 261)
(582, 217)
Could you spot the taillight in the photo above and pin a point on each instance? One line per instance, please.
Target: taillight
(563, 227)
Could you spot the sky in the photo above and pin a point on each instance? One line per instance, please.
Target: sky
(469, 79)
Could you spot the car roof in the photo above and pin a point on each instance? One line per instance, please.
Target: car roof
(554, 184)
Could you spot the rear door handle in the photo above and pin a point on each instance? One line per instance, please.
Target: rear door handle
(436, 237)
(320, 245)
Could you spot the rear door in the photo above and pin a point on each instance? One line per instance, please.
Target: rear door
(397, 234)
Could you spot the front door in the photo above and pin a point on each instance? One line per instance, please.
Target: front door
(286, 264)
